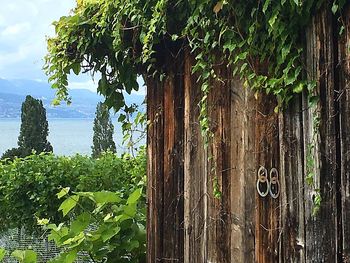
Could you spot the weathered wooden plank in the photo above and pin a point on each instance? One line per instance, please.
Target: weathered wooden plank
(173, 169)
(249, 177)
(267, 229)
(242, 172)
(165, 166)
(219, 229)
(321, 230)
(292, 245)
(218, 207)
(155, 147)
(195, 174)
(344, 98)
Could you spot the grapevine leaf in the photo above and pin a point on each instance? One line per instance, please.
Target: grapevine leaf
(68, 204)
(134, 196)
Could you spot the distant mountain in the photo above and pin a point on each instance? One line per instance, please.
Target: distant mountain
(13, 93)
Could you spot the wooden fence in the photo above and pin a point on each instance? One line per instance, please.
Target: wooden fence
(187, 224)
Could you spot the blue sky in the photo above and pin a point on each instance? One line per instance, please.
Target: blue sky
(24, 25)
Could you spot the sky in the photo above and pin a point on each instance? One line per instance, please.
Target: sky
(24, 26)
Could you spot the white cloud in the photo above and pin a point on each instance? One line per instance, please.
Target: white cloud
(16, 29)
(89, 84)
(24, 26)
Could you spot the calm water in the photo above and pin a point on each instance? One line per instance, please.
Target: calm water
(67, 136)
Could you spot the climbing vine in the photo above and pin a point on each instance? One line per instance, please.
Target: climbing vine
(260, 41)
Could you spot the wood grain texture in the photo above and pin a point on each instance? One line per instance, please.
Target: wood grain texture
(292, 245)
(321, 230)
(186, 223)
(343, 70)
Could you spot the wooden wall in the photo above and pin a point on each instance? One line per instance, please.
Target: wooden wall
(187, 224)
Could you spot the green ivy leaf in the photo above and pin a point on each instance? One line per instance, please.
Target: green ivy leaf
(334, 8)
(266, 5)
(68, 257)
(298, 88)
(80, 223)
(130, 210)
(43, 221)
(76, 68)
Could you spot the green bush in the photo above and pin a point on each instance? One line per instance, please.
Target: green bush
(28, 186)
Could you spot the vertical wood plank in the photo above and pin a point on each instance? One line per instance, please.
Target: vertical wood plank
(321, 230)
(173, 169)
(292, 247)
(195, 174)
(242, 172)
(219, 215)
(344, 98)
(165, 222)
(267, 229)
(154, 170)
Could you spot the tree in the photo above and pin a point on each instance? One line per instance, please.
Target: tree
(10, 154)
(34, 127)
(103, 132)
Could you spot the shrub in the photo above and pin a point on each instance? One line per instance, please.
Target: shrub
(28, 186)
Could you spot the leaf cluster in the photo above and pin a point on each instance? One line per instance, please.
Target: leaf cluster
(261, 41)
(112, 229)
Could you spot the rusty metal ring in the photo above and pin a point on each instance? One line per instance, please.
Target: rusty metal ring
(274, 182)
(262, 179)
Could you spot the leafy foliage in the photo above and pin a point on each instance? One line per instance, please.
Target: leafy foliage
(261, 40)
(103, 132)
(27, 184)
(2, 254)
(111, 230)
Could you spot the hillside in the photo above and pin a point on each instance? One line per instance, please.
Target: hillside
(13, 92)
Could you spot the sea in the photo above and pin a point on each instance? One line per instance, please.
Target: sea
(67, 136)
